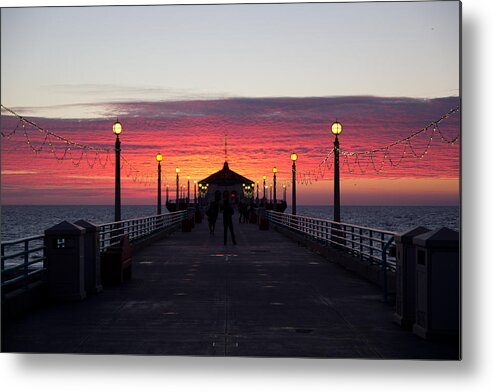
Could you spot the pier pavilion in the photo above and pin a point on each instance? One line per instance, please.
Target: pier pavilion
(235, 184)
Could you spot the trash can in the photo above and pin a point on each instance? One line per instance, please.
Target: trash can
(263, 222)
(64, 244)
(405, 271)
(92, 260)
(116, 262)
(437, 284)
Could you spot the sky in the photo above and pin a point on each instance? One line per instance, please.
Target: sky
(273, 77)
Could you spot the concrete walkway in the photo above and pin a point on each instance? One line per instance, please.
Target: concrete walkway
(191, 295)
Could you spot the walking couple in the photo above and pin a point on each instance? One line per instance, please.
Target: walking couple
(228, 211)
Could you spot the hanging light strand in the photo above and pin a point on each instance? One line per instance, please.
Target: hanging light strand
(366, 161)
(63, 148)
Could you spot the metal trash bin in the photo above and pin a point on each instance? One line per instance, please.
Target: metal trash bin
(65, 261)
(263, 222)
(437, 284)
(405, 271)
(116, 262)
(92, 260)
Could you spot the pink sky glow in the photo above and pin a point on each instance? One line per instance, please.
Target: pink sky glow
(262, 133)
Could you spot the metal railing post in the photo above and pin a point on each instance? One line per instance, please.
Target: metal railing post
(26, 263)
(370, 232)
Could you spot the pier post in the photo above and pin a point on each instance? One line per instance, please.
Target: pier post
(159, 158)
(274, 170)
(117, 130)
(294, 157)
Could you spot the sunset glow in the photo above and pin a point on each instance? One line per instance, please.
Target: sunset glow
(262, 134)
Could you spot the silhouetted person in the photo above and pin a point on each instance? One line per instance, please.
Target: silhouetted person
(251, 212)
(228, 212)
(212, 213)
(243, 210)
(240, 211)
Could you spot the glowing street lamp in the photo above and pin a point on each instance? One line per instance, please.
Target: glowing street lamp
(159, 158)
(294, 157)
(274, 170)
(264, 178)
(177, 186)
(336, 131)
(188, 190)
(117, 129)
(195, 192)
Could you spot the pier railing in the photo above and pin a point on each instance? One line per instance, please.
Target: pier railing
(22, 262)
(371, 245)
(138, 228)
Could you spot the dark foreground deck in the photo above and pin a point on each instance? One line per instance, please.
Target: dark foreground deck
(191, 295)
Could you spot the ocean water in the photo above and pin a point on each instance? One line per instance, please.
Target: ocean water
(24, 221)
(392, 218)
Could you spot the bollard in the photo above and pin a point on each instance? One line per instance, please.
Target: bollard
(64, 244)
(437, 284)
(405, 296)
(92, 260)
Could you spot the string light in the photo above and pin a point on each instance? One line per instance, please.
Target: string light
(367, 160)
(63, 149)
(364, 161)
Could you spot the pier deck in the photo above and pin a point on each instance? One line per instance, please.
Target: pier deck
(191, 295)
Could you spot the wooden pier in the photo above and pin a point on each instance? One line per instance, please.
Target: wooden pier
(191, 295)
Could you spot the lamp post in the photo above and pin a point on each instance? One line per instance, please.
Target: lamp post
(177, 187)
(195, 192)
(188, 190)
(117, 129)
(167, 193)
(257, 192)
(264, 178)
(294, 157)
(336, 130)
(284, 191)
(274, 170)
(159, 158)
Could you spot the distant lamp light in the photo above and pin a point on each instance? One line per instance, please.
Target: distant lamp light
(159, 157)
(274, 170)
(117, 128)
(336, 128)
(177, 170)
(264, 177)
(294, 156)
